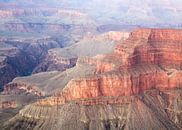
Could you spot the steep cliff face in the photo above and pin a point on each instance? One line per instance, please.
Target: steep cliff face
(132, 93)
(116, 84)
(162, 47)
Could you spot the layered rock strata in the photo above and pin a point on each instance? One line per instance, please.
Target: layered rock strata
(150, 110)
(138, 72)
(18, 88)
(141, 90)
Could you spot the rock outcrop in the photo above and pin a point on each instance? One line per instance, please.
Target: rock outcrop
(152, 46)
(116, 84)
(18, 88)
(8, 104)
(140, 90)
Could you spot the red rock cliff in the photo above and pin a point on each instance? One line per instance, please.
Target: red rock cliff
(156, 46)
(149, 58)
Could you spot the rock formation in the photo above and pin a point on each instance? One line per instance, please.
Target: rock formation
(8, 104)
(140, 90)
(91, 45)
(21, 88)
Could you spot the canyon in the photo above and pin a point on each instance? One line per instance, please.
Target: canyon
(135, 75)
(25, 43)
(90, 65)
(137, 86)
(20, 56)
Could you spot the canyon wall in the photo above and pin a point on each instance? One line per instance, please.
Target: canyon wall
(162, 47)
(132, 75)
(132, 93)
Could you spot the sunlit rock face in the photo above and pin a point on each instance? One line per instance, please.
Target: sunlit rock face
(162, 47)
(140, 89)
